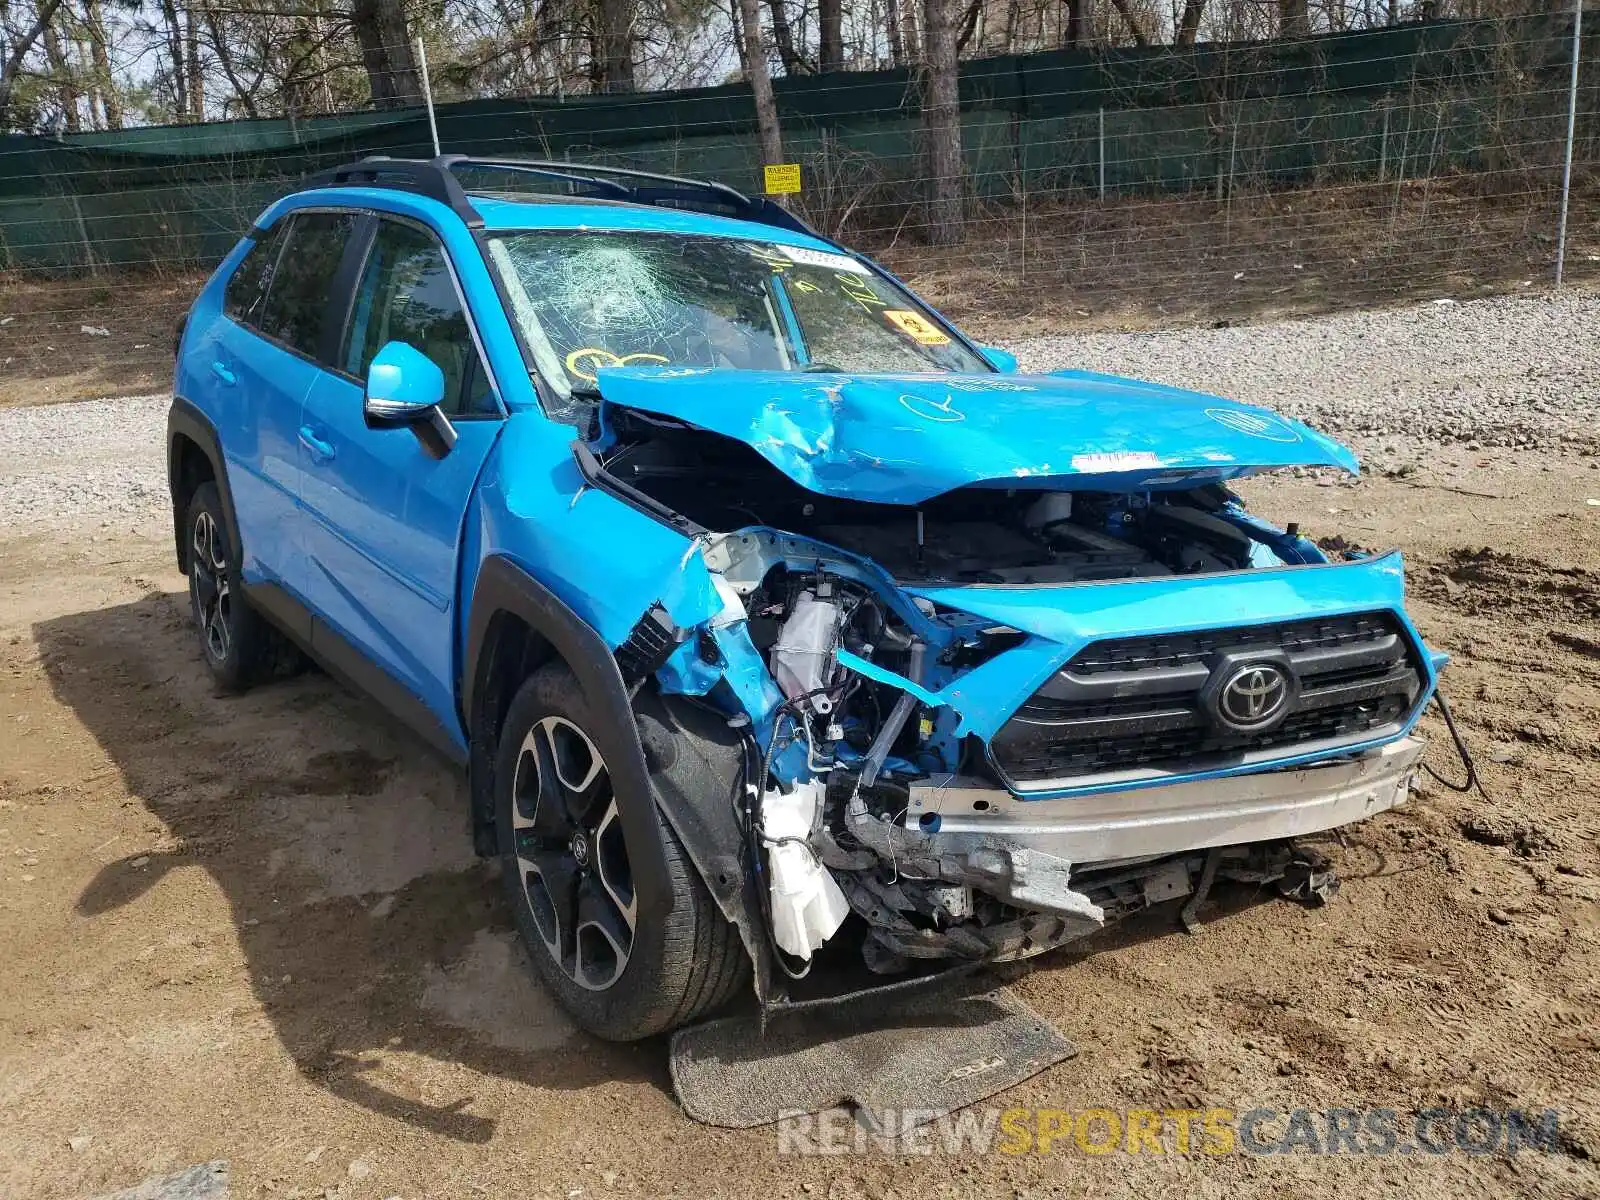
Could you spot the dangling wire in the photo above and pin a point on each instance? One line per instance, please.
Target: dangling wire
(1472, 780)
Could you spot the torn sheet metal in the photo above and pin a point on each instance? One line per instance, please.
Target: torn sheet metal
(873, 671)
(902, 439)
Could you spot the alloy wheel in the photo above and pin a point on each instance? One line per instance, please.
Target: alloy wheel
(571, 857)
(208, 584)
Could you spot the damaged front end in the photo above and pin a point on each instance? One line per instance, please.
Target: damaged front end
(993, 687)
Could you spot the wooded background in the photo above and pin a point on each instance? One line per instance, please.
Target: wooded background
(153, 131)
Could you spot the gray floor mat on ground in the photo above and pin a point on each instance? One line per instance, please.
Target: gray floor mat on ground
(933, 1053)
(208, 1181)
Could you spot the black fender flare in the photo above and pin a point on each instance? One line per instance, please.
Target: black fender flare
(689, 790)
(504, 587)
(185, 420)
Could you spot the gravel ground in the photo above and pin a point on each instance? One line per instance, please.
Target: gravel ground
(1510, 371)
(99, 463)
(1506, 372)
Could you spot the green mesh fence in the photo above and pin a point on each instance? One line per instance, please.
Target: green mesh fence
(1389, 104)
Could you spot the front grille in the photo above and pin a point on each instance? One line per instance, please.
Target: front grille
(1136, 705)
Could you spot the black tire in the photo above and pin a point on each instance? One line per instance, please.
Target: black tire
(237, 645)
(677, 968)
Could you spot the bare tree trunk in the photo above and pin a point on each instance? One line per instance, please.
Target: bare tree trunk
(65, 86)
(197, 79)
(614, 47)
(941, 121)
(969, 26)
(244, 96)
(830, 25)
(11, 65)
(94, 101)
(1189, 26)
(1294, 19)
(909, 37)
(110, 98)
(385, 40)
(1077, 23)
(897, 45)
(783, 39)
(180, 80)
(755, 59)
(1135, 30)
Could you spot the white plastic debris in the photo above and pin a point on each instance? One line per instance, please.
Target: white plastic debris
(807, 905)
(95, 330)
(802, 659)
(733, 610)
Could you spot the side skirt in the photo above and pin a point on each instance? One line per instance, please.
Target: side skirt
(351, 668)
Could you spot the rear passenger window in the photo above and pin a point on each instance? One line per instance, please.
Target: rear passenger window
(252, 278)
(303, 281)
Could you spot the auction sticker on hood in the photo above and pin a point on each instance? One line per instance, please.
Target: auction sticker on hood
(916, 327)
(1110, 462)
(1260, 425)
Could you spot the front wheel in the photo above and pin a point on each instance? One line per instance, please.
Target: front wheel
(621, 971)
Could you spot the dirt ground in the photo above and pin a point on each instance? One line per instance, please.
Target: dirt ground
(251, 929)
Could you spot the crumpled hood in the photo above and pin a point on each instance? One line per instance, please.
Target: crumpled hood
(901, 439)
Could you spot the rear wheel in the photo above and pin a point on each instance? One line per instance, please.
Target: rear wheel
(235, 641)
(622, 972)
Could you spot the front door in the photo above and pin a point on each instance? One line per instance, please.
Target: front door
(383, 517)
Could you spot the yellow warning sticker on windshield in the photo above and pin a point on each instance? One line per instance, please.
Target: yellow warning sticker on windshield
(917, 327)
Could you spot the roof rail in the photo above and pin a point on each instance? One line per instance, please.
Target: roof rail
(421, 176)
(439, 179)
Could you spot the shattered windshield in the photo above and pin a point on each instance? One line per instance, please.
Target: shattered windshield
(586, 300)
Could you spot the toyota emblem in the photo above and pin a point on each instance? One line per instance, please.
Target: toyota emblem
(1254, 696)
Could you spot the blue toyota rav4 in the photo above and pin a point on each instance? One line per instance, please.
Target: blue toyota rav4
(764, 609)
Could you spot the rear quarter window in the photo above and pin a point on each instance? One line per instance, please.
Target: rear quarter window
(247, 288)
(302, 282)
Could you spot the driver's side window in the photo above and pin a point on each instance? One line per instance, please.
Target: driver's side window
(406, 294)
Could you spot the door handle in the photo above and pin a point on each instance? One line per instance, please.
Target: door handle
(320, 450)
(224, 374)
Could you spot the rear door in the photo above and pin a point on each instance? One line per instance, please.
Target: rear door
(383, 516)
(264, 360)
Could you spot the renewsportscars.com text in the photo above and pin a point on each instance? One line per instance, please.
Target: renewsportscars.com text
(1206, 1131)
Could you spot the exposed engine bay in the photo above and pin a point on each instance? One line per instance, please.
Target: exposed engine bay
(864, 730)
(971, 535)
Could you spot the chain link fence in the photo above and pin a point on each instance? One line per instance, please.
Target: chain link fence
(1183, 183)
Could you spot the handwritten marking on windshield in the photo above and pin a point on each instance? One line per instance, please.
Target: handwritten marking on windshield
(604, 358)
